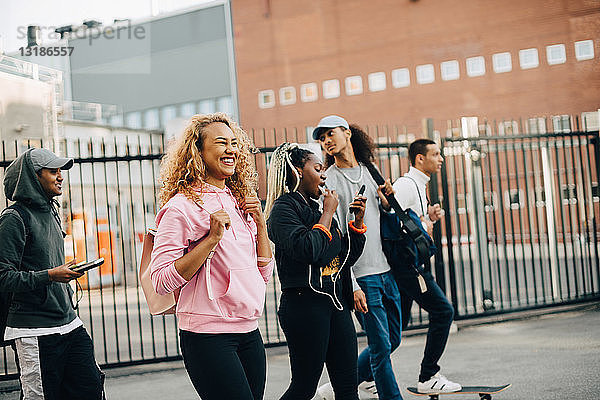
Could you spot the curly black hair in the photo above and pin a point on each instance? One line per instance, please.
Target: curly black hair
(362, 146)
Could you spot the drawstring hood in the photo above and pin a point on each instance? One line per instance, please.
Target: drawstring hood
(21, 184)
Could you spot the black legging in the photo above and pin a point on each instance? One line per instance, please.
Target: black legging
(228, 366)
(318, 334)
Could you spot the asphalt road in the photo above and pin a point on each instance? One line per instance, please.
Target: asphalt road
(548, 357)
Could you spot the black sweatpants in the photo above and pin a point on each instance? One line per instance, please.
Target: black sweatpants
(228, 366)
(317, 333)
(60, 367)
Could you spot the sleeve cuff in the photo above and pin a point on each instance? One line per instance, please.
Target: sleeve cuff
(322, 228)
(357, 230)
(43, 276)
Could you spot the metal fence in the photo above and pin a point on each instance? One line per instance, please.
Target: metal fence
(520, 226)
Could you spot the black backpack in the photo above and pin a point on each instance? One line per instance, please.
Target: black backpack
(6, 297)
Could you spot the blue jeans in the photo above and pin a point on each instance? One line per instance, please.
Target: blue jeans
(383, 326)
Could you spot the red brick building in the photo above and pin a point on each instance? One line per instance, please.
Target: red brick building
(399, 61)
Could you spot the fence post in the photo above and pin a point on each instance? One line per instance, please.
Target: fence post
(440, 272)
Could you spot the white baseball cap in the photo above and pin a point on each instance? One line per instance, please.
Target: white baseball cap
(328, 122)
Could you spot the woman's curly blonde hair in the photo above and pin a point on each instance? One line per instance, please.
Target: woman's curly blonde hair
(182, 168)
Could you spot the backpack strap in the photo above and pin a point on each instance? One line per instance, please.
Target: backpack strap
(24, 217)
(409, 226)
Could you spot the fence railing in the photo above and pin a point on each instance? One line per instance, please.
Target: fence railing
(520, 227)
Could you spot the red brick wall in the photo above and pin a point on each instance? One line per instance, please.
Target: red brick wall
(282, 43)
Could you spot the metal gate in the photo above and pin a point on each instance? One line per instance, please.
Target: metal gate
(521, 220)
(520, 228)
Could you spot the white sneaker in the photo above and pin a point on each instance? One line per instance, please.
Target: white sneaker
(325, 392)
(367, 391)
(438, 384)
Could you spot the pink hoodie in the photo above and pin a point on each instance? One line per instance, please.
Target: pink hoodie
(228, 298)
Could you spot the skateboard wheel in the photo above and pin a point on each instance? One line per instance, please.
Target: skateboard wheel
(485, 396)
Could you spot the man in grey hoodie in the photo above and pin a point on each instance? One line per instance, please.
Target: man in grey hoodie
(55, 352)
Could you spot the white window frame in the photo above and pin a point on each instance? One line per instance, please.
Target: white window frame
(400, 78)
(331, 89)
(304, 88)
(450, 70)
(500, 64)
(556, 54)
(475, 66)
(377, 81)
(282, 95)
(528, 58)
(353, 85)
(425, 74)
(584, 50)
(261, 98)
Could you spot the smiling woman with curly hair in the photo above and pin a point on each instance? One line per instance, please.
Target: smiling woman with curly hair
(211, 245)
(182, 168)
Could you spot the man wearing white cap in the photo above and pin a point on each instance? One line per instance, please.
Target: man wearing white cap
(348, 149)
(55, 353)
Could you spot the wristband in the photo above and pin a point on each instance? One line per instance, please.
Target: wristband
(264, 259)
(357, 230)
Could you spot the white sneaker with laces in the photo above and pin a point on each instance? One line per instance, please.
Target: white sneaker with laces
(367, 391)
(438, 384)
(325, 392)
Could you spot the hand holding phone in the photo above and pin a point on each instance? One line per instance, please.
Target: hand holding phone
(87, 265)
(358, 197)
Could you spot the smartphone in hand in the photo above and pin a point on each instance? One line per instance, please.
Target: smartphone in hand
(87, 265)
(361, 191)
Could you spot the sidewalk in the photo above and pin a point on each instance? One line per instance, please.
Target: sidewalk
(554, 356)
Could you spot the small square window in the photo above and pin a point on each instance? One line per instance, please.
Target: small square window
(309, 92)
(400, 78)
(475, 66)
(287, 95)
(354, 85)
(528, 58)
(266, 98)
(556, 54)
(584, 50)
(331, 89)
(450, 70)
(376, 81)
(502, 62)
(425, 74)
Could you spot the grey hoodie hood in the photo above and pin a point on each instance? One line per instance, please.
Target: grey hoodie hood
(21, 183)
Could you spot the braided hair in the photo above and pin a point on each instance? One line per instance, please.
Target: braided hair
(283, 176)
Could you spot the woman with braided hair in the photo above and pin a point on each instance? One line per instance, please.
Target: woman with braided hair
(313, 265)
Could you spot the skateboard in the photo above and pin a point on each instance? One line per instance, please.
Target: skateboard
(484, 392)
